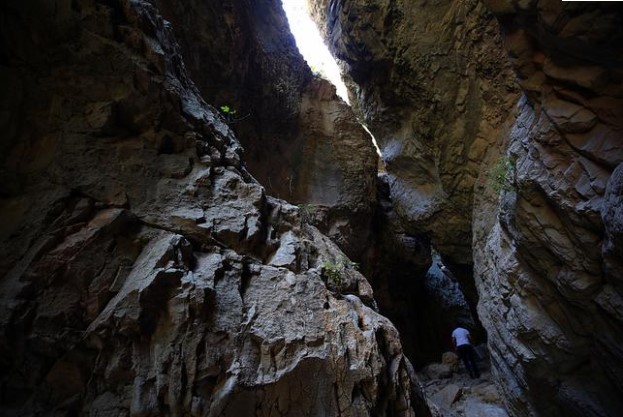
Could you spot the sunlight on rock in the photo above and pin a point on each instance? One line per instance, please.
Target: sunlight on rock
(311, 45)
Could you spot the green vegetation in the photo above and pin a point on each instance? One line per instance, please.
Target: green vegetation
(307, 211)
(499, 176)
(230, 114)
(334, 272)
(228, 110)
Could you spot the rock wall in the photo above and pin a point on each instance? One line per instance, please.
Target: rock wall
(301, 141)
(432, 83)
(414, 289)
(551, 294)
(525, 187)
(144, 270)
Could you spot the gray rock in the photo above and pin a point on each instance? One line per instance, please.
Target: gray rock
(302, 142)
(447, 396)
(136, 247)
(435, 105)
(475, 408)
(543, 239)
(438, 370)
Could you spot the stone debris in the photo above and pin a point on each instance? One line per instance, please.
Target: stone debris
(455, 394)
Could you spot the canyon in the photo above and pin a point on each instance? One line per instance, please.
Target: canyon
(194, 223)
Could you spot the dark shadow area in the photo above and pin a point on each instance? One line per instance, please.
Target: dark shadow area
(422, 295)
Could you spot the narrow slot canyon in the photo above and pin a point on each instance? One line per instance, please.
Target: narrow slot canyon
(415, 290)
(195, 223)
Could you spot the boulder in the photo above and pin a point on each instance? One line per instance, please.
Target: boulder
(437, 371)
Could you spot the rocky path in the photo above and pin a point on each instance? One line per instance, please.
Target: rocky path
(451, 392)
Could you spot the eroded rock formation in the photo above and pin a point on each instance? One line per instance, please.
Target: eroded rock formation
(413, 288)
(301, 141)
(549, 292)
(525, 187)
(434, 86)
(144, 270)
(432, 83)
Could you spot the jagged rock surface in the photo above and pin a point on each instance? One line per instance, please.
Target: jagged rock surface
(433, 85)
(551, 293)
(452, 393)
(413, 288)
(546, 253)
(144, 271)
(301, 141)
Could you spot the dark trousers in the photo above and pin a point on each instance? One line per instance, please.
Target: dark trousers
(468, 356)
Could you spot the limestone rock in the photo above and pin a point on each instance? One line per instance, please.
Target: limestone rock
(476, 408)
(451, 360)
(144, 270)
(437, 370)
(612, 216)
(447, 396)
(432, 83)
(547, 295)
(301, 141)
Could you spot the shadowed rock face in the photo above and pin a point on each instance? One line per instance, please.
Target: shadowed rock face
(413, 288)
(144, 271)
(545, 235)
(432, 82)
(301, 141)
(553, 278)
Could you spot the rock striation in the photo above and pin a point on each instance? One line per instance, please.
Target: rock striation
(432, 83)
(550, 289)
(144, 270)
(506, 151)
(413, 288)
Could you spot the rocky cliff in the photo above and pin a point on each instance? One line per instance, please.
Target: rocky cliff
(432, 83)
(434, 86)
(144, 270)
(301, 141)
(551, 287)
(506, 151)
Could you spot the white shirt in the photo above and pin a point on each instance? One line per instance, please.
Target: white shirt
(460, 336)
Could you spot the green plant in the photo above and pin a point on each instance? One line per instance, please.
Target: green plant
(334, 272)
(228, 110)
(307, 212)
(499, 175)
(230, 114)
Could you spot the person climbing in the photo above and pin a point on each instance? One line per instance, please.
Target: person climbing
(461, 339)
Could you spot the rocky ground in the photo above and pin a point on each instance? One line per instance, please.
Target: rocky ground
(452, 393)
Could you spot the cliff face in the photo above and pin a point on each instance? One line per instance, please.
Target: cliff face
(434, 86)
(552, 289)
(526, 188)
(432, 83)
(301, 141)
(144, 270)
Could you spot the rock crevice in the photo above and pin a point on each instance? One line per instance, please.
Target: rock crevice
(499, 123)
(144, 270)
